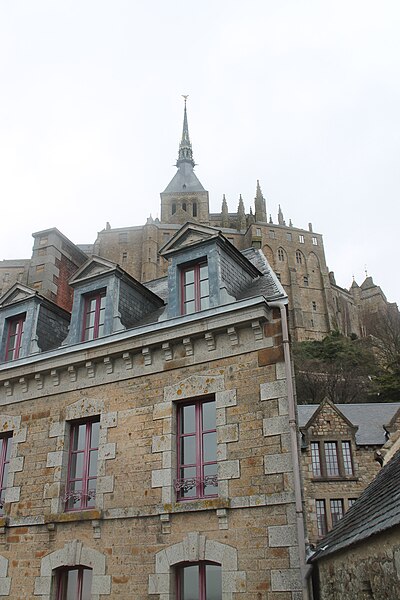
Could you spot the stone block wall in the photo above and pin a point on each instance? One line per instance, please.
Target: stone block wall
(366, 570)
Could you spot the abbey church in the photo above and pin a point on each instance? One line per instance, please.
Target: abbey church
(317, 305)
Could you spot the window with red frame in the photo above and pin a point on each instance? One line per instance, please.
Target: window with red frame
(195, 292)
(14, 337)
(5, 449)
(82, 466)
(197, 450)
(199, 581)
(74, 583)
(93, 317)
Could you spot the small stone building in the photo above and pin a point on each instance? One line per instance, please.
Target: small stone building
(148, 447)
(360, 558)
(339, 442)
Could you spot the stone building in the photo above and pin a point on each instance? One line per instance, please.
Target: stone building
(147, 432)
(339, 443)
(360, 558)
(317, 305)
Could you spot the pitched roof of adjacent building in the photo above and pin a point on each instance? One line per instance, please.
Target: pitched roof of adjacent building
(375, 511)
(370, 418)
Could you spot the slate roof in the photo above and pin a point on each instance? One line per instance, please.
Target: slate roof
(268, 285)
(375, 511)
(369, 417)
(184, 180)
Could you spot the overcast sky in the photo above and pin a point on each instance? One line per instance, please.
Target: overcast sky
(303, 95)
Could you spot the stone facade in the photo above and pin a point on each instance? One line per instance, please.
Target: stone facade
(372, 570)
(138, 533)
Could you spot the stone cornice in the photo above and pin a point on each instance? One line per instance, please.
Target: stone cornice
(173, 343)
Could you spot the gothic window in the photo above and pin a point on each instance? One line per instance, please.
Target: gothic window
(337, 510)
(199, 581)
(322, 524)
(74, 583)
(5, 448)
(173, 209)
(197, 450)
(281, 254)
(299, 258)
(82, 465)
(184, 206)
(15, 330)
(93, 315)
(194, 209)
(195, 293)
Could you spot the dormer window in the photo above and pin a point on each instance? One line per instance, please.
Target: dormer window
(14, 337)
(195, 288)
(93, 316)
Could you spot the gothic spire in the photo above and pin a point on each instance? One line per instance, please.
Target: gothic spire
(260, 206)
(185, 147)
(224, 213)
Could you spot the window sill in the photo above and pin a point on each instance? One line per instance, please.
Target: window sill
(68, 517)
(196, 505)
(338, 478)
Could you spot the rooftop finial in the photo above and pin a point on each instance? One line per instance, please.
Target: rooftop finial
(185, 147)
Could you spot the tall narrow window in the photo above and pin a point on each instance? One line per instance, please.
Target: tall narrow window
(315, 459)
(299, 258)
(93, 318)
(322, 524)
(5, 448)
(197, 450)
(74, 583)
(199, 581)
(194, 209)
(82, 466)
(281, 255)
(173, 209)
(347, 460)
(315, 241)
(195, 288)
(301, 239)
(336, 510)
(14, 337)
(331, 459)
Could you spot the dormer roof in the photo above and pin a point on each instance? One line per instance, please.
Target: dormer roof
(192, 235)
(326, 403)
(17, 293)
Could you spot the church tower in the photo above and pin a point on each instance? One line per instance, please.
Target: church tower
(184, 198)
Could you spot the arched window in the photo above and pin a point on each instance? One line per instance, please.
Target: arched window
(173, 209)
(74, 582)
(200, 580)
(299, 259)
(281, 254)
(184, 206)
(194, 209)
